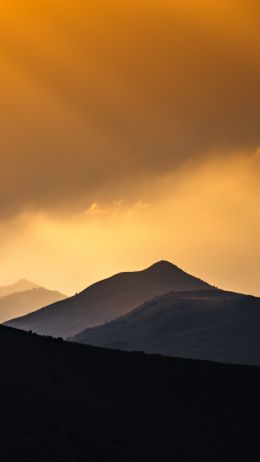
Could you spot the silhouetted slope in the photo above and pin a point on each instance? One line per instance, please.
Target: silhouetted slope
(63, 402)
(21, 303)
(108, 299)
(212, 325)
(19, 286)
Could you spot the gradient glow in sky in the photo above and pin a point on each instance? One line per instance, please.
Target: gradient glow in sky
(129, 132)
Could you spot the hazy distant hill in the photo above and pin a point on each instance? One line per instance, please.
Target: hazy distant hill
(211, 325)
(19, 286)
(108, 299)
(21, 303)
(64, 402)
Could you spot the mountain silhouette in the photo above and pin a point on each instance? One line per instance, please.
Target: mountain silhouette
(107, 300)
(19, 286)
(21, 303)
(210, 325)
(64, 402)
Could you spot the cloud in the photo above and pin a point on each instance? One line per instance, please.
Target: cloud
(99, 100)
(204, 218)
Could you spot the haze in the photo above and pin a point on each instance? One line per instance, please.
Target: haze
(129, 133)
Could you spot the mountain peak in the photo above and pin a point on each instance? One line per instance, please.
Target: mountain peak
(26, 281)
(163, 265)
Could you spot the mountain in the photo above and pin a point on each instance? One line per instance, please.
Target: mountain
(19, 286)
(108, 299)
(64, 402)
(21, 303)
(210, 325)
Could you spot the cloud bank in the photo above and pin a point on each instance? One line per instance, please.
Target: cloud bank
(100, 99)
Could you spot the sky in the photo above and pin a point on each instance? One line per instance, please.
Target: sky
(129, 133)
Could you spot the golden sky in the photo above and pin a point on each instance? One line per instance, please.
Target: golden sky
(130, 132)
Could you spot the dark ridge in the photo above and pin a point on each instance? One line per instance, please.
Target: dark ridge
(63, 402)
(203, 324)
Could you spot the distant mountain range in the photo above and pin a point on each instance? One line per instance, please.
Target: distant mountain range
(19, 286)
(21, 303)
(210, 324)
(107, 300)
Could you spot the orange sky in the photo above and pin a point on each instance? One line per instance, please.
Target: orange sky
(129, 133)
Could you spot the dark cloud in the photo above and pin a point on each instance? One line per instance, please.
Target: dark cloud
(98, 97)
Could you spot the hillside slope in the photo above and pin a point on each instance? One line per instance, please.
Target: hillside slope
(108, 299)
(64, 402)
(211, 325)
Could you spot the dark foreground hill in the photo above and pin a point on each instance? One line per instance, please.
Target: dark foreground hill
(107, 299)
(21, 303)
(211, 325)
(63, 402)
